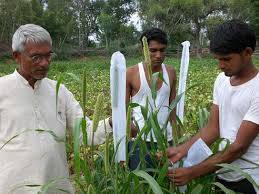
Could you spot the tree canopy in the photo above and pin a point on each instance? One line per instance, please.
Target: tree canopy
(77, 22)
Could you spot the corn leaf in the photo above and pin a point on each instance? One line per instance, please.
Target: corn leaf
(60, 79)
(239, 170)
(150, 180)
(197, 189)
(76, 140)
(223, 188)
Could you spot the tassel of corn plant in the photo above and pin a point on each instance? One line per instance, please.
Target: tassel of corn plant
(97, 112)
(97, 117)
(147, 57)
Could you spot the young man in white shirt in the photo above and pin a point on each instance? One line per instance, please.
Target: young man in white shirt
(234, 114)
(27, 103)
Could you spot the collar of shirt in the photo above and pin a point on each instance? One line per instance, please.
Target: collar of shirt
(25, 82)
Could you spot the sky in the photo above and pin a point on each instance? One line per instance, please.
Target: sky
(136, 21)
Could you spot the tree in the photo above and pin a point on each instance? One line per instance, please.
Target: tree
(180, 18)
(255, 16)
(86, 13)
(13, 13)
(169, 15)
(37, 10)
(113, 21)
(59, 21)
(239, 9)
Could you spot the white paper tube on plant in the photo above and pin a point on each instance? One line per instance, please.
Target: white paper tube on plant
(198, 152)
(183, 78)
(118, 93)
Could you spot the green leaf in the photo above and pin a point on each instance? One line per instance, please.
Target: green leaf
(216, 144)
(76, 140)
(158, 132)
(133, 104)
(84, 93)
(106, 155)
(128, 130)
(162, 173)
(60, 79)
(56, 137)
(51, 185)
(239, 170)
(150, 180)
(154, 85)
(90, 189)
(74, 77)
(197, 189)
(223, 188)
(84, 125)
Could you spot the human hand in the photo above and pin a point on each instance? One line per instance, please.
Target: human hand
(175, 154)
(180, 176)
(134, 130)
(123, 164)
(159, 155)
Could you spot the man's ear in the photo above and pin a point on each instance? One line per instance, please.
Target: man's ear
(16, 56)
(248, 51)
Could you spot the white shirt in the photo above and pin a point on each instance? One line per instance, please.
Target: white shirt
(236, 104)
(161, 102)
(35, 157)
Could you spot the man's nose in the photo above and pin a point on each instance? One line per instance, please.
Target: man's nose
(158, 54)
(221, 64)
(45, 62)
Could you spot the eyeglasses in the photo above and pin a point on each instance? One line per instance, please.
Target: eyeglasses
(36, 59)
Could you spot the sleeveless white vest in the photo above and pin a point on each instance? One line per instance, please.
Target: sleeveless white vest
(161, 102)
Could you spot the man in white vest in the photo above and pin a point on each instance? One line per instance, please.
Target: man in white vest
(138, 90)
(234, 113)
(27, 103)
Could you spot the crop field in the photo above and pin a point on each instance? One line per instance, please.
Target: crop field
(98, 173)
(201, 75)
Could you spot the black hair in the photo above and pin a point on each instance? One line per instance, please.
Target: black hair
(155, 34)
(232, 37)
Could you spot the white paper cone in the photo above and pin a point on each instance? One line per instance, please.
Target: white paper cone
(197, 153)
(118, 93)
(183, 78)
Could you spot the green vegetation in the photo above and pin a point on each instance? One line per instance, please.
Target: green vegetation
(76, 26)
(202, 73)
(93, 167)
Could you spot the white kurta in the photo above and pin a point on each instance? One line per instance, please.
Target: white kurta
(33, 157)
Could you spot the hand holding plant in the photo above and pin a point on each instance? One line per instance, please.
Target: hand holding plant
(175, 154)
(180, 176)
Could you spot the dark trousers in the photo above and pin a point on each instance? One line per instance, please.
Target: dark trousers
(243, 186)
(134, 158)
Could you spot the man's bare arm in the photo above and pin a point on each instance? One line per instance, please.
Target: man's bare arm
(128, 86)
(245, 136)
(173, 81)
(208, 134)
(129, 76)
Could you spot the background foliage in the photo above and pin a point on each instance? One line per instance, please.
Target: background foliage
(77, 25)
(202, 72)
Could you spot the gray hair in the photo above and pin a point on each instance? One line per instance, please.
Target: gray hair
(29, 33)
